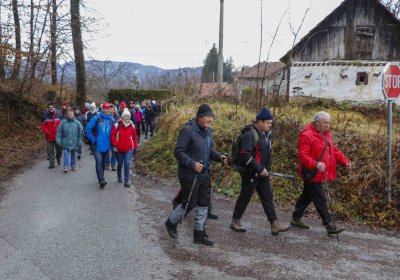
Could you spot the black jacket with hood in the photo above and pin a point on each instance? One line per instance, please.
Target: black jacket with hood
(194, 145)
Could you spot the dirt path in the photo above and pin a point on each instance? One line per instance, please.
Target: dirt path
(297, 254)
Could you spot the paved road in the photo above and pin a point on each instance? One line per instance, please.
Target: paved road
(61, 226)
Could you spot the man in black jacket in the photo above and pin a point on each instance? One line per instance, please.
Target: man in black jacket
(194, 152)
(256, 159)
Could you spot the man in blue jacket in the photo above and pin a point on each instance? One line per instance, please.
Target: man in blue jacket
(194, 152)
(98, 132)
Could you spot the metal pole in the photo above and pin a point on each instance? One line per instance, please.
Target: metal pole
(220, 47)
(389, 161)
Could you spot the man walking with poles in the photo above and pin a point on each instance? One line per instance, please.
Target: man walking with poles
(318, 157)
(194, 152)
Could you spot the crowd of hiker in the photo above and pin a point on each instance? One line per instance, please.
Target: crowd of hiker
(112, 132)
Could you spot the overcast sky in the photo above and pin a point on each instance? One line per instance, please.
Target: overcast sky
(179, 33)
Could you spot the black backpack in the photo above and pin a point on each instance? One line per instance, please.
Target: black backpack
(235, 162)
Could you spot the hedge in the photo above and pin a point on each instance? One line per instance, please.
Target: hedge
(138, 94)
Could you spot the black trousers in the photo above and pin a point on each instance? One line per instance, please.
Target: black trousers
(263, 187)
(312, 192)
(201, 191)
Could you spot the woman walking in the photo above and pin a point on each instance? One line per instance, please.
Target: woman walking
(124, 141)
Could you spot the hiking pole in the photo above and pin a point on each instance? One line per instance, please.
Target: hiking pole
(330, 205)
(187, 204)
(286, 176)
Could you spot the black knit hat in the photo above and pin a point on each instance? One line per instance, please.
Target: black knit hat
(204, 110)
(264, 114)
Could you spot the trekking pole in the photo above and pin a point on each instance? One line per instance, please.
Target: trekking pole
(330, 206)
(286, 176)
(187, 204)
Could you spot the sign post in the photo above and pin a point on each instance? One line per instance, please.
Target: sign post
(391, 91)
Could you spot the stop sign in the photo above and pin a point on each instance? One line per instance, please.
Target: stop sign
(391, 81)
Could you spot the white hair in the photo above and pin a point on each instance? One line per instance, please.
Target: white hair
(320, 115)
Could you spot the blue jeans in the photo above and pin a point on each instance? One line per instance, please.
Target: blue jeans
(100, 159)
(124, 159)
(113, 159)
(69, 158)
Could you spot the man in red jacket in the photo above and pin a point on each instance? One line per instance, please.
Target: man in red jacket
(51, 118)
(317, 152)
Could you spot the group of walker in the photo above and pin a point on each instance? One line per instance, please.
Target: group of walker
(194, 151)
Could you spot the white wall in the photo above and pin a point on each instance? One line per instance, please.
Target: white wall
(328, 80)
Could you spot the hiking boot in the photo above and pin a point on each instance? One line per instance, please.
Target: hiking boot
(51, 166)
(237, 225)
(171, 229)
(331, 229)
(199, 237)
(276, 228)
(58, 161)
(79, 157)
(127, 185)
(120, 180)
(298, 223)
(113, 168)
(65, 170)
(102, 184)
(212, 216)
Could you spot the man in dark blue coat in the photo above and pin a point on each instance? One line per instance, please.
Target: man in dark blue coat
(194, 152)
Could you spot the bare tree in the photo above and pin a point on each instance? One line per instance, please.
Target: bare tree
(393, 6)
(78, 51)
(17, 59)
(53, 42)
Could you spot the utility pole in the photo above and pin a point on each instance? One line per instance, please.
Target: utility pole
(220, 71)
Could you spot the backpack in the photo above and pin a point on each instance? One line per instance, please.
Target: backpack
(94, 131)
(235, 162)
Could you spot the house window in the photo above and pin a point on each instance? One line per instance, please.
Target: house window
(362, 78)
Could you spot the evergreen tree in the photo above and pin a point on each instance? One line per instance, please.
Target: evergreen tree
(210, 65)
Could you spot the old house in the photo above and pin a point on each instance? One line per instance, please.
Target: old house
(344, 55)
(270, 76)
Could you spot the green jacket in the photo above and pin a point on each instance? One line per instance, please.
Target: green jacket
(69, 134)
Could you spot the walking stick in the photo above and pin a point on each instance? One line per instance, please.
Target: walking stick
(330, 205)
(187, 204)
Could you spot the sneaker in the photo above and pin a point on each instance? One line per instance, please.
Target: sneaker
(212, 216)
(51, 166)
(127, 185)
(120, 180)
(65, 170)
(74, 169)
(113, 168)
(298, 223)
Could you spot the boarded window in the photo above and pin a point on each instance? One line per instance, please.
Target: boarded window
(364, 41)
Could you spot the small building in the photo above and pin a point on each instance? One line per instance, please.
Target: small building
(270, 76)
(344, 55)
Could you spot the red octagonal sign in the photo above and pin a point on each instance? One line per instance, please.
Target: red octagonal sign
(391, 81)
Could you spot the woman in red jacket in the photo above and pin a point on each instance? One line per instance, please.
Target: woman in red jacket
(318, 153)
(124, 141)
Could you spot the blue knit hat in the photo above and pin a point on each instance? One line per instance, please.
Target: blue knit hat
(264, 114)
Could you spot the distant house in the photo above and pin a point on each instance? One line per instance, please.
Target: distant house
(273, 72)
(211, 89)
(344, 55)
